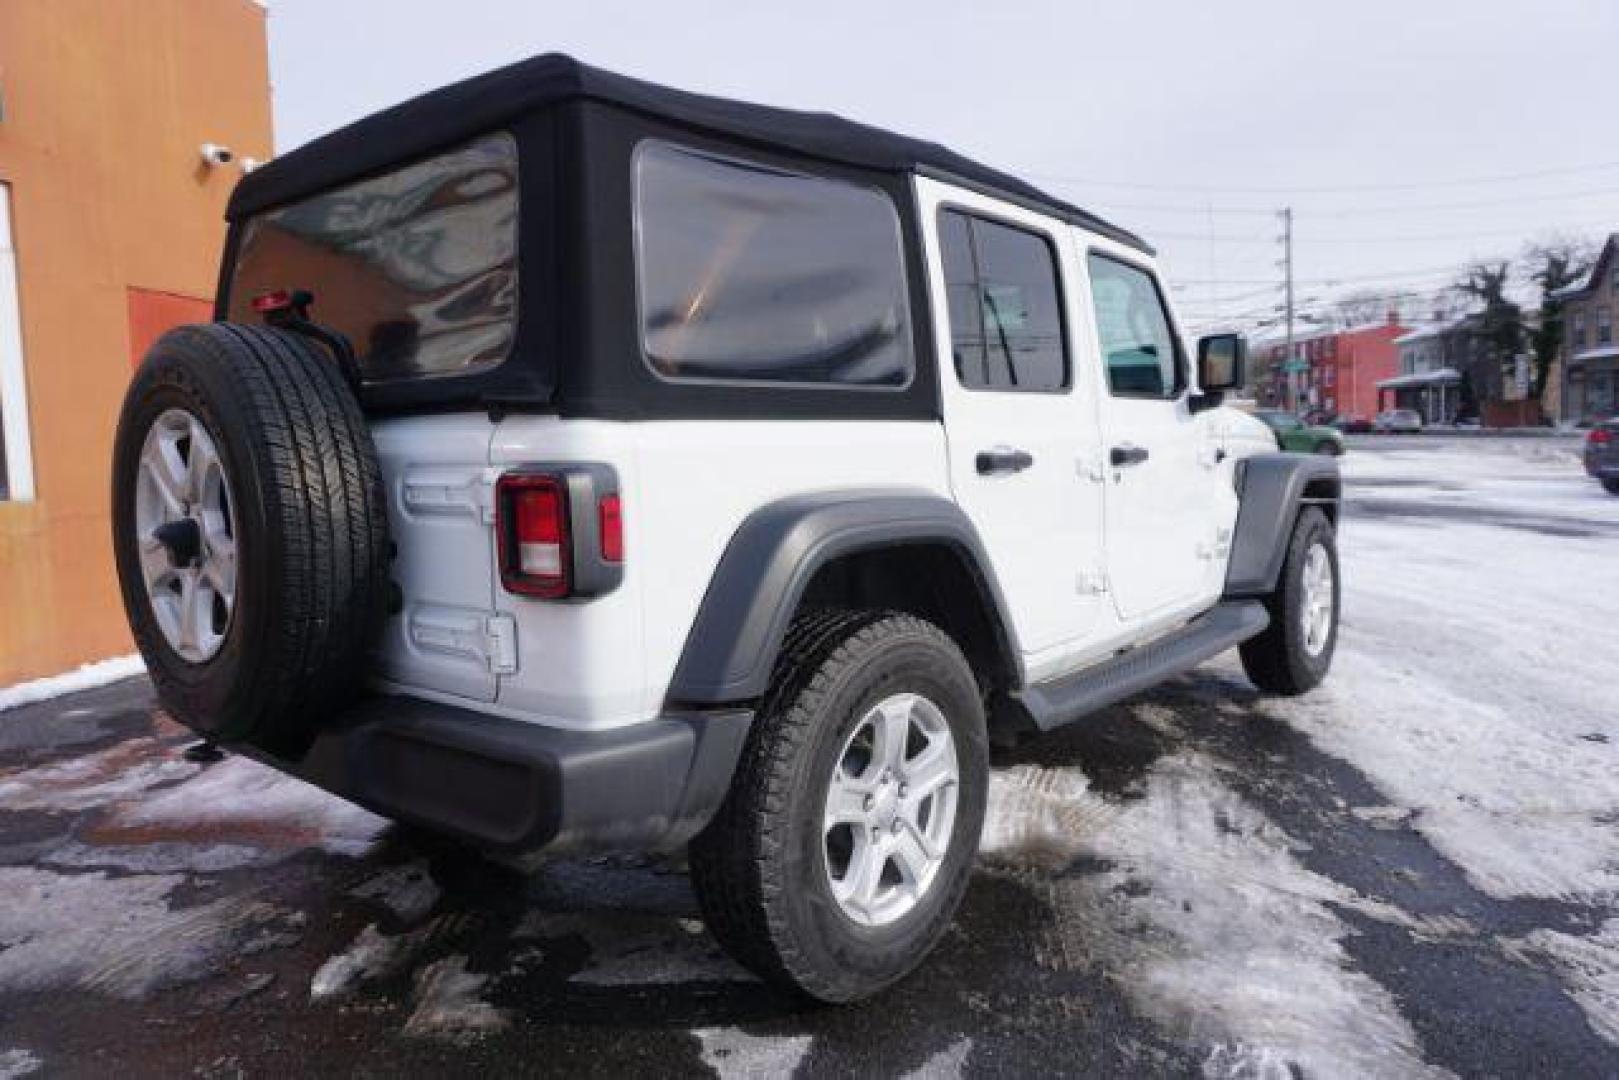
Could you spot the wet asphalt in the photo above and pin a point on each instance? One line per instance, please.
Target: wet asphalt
(601, 967)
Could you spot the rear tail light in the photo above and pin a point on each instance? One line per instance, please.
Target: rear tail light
(532, 522)
(1600, 436)
(610, 519)
(560, 530)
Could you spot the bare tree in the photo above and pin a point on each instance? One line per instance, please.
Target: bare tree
(1500, 331)
(1363, 306)
(1552, 265)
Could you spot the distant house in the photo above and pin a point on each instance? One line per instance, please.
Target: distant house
(1430, 372)
(1449, 372)
(1336, 371)
(1585, 377)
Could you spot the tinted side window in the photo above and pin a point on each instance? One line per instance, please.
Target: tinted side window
(753, 273)
(1006, 325)
(1137, 342)
(417, 267)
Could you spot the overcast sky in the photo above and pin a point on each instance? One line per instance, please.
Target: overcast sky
(1409, 136)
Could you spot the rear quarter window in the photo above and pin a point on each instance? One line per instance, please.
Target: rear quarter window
(417, 267)
(751, 273)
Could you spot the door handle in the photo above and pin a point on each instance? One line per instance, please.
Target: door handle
(1127, 454)
(1002, 460)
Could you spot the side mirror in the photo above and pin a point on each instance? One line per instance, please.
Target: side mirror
(1221, 359)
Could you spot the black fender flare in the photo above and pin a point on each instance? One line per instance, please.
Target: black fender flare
(731, 647)
(1272, 488)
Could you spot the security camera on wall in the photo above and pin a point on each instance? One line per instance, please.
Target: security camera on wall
(215, 155)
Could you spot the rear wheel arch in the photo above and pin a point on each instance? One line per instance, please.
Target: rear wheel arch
(890, 549)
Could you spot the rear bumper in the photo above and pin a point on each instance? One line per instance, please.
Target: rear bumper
(1602, 468)
(512, 787)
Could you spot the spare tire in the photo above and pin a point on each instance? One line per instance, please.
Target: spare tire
(250, 531)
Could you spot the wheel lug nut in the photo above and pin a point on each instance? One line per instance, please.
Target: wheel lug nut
(904, 790)
(895, 826)
(870, 801)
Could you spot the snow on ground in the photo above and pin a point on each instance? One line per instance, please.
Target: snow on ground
(1474, 682)
(1590, 967)
(87, 677)
(1205, 917)
(120, 935)
(241, 800)
(15, 1063)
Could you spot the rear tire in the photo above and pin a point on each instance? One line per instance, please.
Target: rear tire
(777, 883)
(300, 536)
(1293, 654)
(1611, 486)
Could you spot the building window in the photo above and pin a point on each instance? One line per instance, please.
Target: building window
(751, 273)
(1604, 326)
(16, 456)
(1576, 334)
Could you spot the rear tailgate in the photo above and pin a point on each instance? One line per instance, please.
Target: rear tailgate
(445, 636)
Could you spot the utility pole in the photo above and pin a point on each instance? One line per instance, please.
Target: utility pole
(1287, 272)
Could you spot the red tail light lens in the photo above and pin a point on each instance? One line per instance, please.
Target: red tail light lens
(1600, 435)
(611, 514)
(532, 521)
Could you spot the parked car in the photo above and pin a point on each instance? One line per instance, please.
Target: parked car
(1401, 421)
(1353, 425)
(1295, 435)
(579, 464)
(1602, 454)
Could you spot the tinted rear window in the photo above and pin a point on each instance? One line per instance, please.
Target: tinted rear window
(757, 274)
(417, 267)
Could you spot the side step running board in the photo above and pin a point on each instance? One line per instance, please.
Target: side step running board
(1062, 701)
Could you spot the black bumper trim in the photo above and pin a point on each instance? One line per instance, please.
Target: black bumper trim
(512, 786)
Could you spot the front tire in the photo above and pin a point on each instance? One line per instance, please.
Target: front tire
(844, 847)
(1294, 653)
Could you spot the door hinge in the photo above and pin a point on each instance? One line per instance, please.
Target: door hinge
(1091, 582)
(500, 638)
(1218, 548)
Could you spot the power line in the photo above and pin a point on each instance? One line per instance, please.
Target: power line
(1333, 189)
(1361, 211)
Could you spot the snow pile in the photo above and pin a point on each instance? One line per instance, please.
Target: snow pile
(372, 955)
(1206, 919)
(448, 1003)
(732, 1052)
(87, 677)
(947, 1063)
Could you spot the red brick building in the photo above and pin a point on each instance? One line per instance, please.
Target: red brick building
(1337, 370)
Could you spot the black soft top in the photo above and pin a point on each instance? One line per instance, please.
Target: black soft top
(475, 106)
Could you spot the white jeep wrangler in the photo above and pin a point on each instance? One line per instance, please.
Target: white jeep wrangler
(578, 464)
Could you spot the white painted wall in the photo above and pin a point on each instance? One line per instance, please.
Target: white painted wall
(13, 381)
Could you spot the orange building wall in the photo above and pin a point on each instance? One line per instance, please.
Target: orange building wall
(105, 104)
